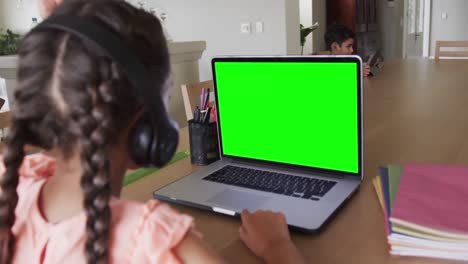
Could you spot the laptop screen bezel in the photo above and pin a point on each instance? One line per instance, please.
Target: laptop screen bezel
(318, 59)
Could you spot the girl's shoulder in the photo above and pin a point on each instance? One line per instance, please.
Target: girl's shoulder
(148, 232)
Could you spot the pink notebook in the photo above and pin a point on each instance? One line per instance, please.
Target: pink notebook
(434, 196)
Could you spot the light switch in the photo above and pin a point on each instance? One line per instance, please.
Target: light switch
(259, 27)
(444, 15)
(245, 28)
(20, 4)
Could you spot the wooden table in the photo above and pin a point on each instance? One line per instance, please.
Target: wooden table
(415, 111)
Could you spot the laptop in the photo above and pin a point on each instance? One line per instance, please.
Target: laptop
(290, 138)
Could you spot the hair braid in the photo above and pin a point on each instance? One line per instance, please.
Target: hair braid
(9, 197)
(30, 125)
(95, 179)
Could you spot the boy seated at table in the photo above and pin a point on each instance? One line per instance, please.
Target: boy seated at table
(339, 40)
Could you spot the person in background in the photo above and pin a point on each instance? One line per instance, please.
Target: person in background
(339, 40)
(62, 205)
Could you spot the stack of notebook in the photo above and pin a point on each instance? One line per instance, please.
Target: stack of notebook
(425, 209)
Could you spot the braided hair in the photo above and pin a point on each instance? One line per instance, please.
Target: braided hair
(70, 96)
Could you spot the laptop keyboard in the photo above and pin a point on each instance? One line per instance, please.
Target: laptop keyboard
(285, 184)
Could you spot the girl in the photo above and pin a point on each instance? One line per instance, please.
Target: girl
(62, 205)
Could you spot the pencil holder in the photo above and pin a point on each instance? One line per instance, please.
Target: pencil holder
(203, 139)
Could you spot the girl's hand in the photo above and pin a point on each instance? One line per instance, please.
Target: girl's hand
(264, 231)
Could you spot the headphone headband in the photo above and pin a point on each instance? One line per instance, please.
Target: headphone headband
(155, 139)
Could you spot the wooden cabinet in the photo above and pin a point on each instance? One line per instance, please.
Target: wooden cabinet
(342, 12)
(361, 17)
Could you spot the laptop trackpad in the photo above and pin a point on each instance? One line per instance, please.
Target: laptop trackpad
(238, 200)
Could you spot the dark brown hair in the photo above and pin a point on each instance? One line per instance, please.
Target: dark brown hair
(72, 97)
(337, 33)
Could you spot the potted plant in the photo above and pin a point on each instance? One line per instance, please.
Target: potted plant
(9, 42)
(305, 31)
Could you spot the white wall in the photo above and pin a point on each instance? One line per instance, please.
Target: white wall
(17, 19)
(293, 41)
(391, 30)
(305, 9)
(218, 23)
(319, 14)
(455, 27)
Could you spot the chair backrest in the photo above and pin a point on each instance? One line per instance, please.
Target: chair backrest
(191, 95)
(450, 44)
(5, 119)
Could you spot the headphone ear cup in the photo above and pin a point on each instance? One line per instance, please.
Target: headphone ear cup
(148, 148)
(167, 143)
(141, 142)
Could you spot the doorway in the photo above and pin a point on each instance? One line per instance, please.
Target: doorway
(416, 28)
(305, 7)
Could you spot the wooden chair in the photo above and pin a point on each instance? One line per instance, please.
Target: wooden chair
(450, 44)
(191, 96)
(5, 119)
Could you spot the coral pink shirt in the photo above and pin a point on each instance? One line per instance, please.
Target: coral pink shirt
(140, 233)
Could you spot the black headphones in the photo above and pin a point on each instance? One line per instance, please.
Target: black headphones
(154, 140)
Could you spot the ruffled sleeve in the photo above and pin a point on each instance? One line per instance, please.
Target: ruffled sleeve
(160, 230)
(37, 166)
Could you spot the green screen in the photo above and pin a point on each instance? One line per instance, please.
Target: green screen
(300, 113)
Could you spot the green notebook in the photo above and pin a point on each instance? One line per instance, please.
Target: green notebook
(141, 173)
(394, 177)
